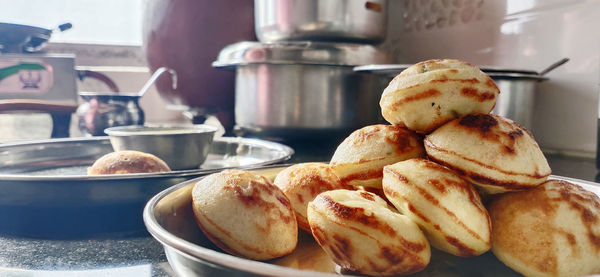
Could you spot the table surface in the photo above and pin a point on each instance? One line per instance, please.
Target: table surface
(143, 256)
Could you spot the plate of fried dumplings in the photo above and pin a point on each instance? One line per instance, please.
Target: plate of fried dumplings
(446, 189)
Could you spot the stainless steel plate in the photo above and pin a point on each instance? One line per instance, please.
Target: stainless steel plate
(169, 218)
(45, 192)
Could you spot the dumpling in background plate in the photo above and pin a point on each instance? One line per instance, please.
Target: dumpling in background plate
(492, 152)
(126, 162)
(360, 158)
(430, 93)
(362, 235)
(245, 215)
(446, 207)
(301, 183)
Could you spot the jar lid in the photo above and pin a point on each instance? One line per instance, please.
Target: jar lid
(299, 52)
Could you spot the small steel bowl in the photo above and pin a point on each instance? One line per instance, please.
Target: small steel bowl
(181, 147)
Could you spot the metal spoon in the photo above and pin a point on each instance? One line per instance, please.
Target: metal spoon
(553, 66)
(155, 76)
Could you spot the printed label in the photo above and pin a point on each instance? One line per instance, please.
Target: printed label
(25, 76)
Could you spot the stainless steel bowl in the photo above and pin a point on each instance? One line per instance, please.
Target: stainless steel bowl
(181, 147)
(169, 219)
(292, 89)
(321, 20)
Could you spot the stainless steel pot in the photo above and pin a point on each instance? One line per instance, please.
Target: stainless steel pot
(517, 87)
(293, 89)
(321, 20)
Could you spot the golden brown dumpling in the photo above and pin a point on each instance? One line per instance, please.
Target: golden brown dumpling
(361, 234)
(446, 207)
(301, 183)
(127, 161)
(360, 158)
(245, 214)
(430, 93)
(492, 152)
(550, 230)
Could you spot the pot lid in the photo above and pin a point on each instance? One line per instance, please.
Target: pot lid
(299, 52)
(391, 70)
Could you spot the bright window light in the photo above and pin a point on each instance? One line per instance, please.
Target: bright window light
(94, 21)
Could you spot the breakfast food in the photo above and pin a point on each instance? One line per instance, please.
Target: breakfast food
(537, 227)
(301, 183)
(360, 158)
(551, 230)
(431, 93)
(245, 214)
(361, 234)
(492, 152)
(446, 207)
(127, 161)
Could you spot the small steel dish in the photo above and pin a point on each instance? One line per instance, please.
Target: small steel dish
(181, 147)
(169, 219)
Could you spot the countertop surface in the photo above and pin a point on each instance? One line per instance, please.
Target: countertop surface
(143, 256)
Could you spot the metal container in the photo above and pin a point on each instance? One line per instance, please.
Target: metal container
(362, 21)
(103, 110)
(517, 89)
(99, 111)
(169, 219)
(45, 192)
(181, 147)
(292, 89)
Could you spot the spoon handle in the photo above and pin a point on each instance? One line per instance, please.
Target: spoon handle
(155, 76)
(553, 66)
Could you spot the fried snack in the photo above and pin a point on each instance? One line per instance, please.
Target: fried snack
(430, 93)
(492, 152)
(361, 234)
(446, 207)
(360, 158)
(127, 161)
(301, 183)
(551, 230)
(245, 215)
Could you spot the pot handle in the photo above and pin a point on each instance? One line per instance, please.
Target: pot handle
(82, 74)
(553, 66)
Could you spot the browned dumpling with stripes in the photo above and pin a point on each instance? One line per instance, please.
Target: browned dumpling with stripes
(302, 182)
(551, 230)
(430, 93)
(446, 207)
(362, 235)
(126, 162)
(245, 215)
(360, 158)
(492, 152)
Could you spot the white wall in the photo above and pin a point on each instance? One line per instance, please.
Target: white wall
(516, 34)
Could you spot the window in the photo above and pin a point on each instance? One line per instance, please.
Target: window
(113, 22)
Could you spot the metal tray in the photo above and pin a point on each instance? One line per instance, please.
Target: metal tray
(169, 218)
(45, 192)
